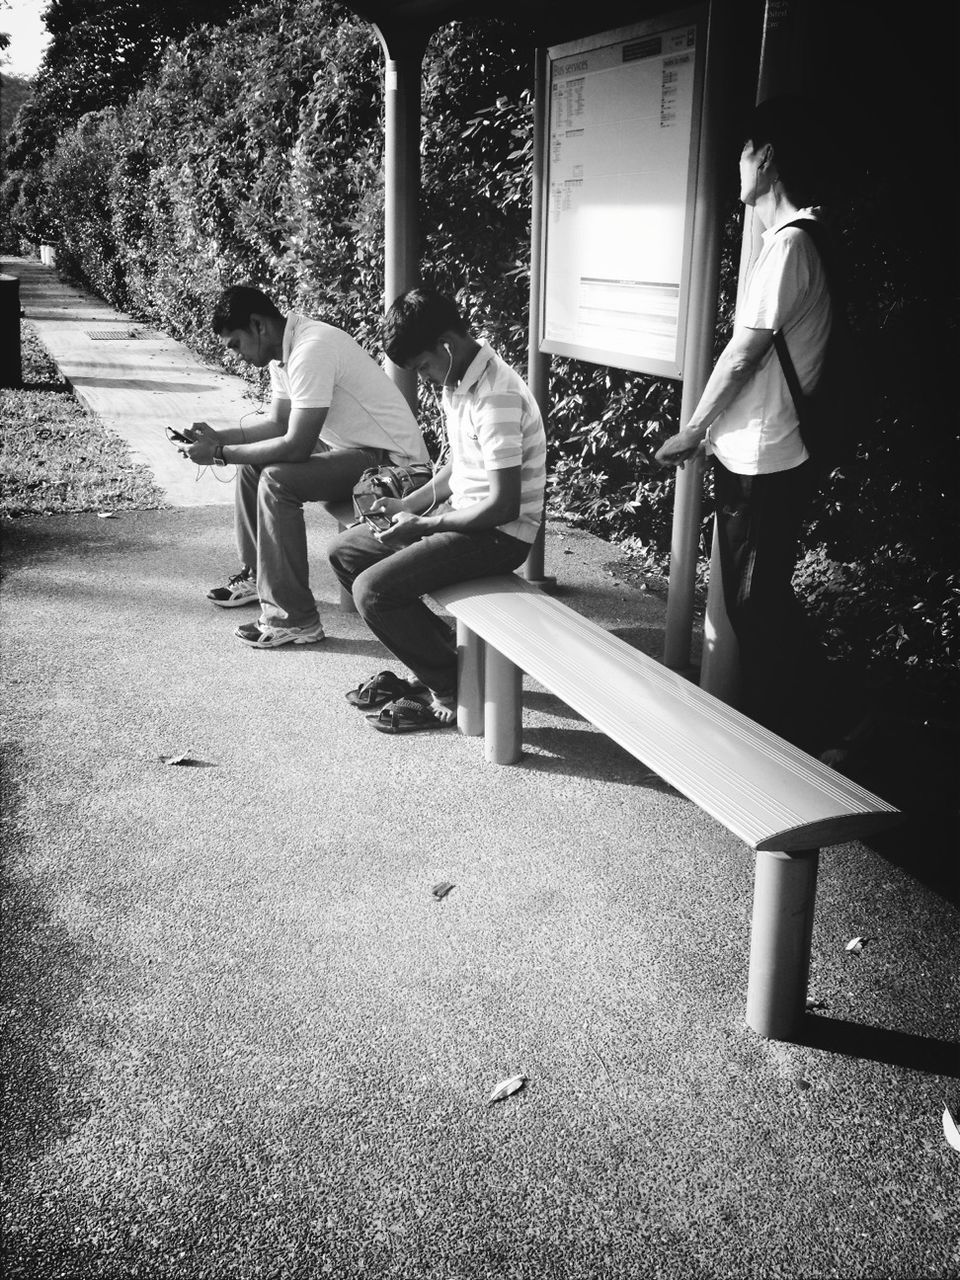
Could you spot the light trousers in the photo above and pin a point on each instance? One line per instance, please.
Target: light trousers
(270, 528)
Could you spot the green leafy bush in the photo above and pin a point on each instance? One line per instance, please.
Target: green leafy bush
(253, 151)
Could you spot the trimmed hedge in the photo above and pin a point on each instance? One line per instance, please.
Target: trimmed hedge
(255, 153)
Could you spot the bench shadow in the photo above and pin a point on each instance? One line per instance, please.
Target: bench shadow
(587, 753)
(879, 1044)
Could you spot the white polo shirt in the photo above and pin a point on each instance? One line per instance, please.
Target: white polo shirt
(493, 422)
(324, 368)
(758, 432)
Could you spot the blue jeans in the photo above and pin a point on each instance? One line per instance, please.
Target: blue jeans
(387, 587)
(270, 529)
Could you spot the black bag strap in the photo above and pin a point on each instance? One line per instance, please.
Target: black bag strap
(824, 247)
(789, 372)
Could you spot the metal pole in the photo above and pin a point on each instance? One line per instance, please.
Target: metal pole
(781, 62)
(538, 362)
(502, 708)
(403, 53)
(785, 890)
(698, 349)
(471, 651)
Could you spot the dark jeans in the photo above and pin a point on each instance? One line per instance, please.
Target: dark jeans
(759, 520)
(387, 587)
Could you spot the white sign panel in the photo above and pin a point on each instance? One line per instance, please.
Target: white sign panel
(624, 116)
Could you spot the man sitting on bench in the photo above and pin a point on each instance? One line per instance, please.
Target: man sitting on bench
(334, 412)
(491, 491)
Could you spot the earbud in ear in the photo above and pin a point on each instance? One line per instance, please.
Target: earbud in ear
(446, 347)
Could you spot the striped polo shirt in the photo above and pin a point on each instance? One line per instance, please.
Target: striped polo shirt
(493, 422)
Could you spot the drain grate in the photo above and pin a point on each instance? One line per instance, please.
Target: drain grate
(112, 335)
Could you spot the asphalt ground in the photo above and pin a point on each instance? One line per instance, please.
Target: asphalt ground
(244, 1039)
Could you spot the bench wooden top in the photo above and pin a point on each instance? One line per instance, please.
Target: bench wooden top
(763, 789)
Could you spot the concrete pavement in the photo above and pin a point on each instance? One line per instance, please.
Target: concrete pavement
(244, 1039)
(136, 379)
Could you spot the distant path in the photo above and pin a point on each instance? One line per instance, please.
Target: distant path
(137, 382)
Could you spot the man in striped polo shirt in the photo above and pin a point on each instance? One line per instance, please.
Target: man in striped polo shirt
(478, 515)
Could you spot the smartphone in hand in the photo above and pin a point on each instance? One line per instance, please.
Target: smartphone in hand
(378, 520)
(177, 437)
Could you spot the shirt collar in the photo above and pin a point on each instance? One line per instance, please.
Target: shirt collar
(289, 333)
(474, 370)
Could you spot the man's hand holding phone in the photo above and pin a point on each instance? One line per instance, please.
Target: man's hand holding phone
(404, 529)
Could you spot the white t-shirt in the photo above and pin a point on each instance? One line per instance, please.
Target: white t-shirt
(324, 368)
(758, 432)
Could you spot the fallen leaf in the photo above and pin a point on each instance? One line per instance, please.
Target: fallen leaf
(441, 890)
(950, 1130)
(184, 758)
(855, 944)
(814, 1003)
(506, 1087)
(106, 515)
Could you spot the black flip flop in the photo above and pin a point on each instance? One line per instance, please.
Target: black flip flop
(378, 690)
(405, 715)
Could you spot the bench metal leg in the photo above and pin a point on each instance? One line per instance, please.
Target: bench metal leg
(470, 652)
(503, 702)
(784, 894)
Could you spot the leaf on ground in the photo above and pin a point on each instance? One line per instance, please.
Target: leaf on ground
(506, 1087)
(814, 1003)
(856, 944)
(185, 759)
(442, 889)
(106, 515)
(950, 1130)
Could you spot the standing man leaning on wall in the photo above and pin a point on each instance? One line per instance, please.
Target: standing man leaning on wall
(334, 413)
(764, 477)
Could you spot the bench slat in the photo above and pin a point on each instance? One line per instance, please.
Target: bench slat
(691, 739)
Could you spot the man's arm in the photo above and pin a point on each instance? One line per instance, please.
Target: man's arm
(738, 362)
(500, 506)
(428, 495)
(290, 435)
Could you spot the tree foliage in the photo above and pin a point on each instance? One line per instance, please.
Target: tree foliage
(251, 149)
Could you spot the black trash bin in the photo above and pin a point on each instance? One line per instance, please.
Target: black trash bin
(11, 368)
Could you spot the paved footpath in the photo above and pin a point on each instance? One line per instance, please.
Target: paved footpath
(243, 1039)
(134, 378)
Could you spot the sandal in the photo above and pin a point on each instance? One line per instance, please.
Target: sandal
(405, 715)
(379, 689)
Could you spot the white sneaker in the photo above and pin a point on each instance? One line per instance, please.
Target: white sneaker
(263, 636)
(240, 589)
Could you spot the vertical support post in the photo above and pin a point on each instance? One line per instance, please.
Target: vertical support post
(403, 55)
(784, 895)
(11, 364)
(503, 699)
(470, 663)
(698, 349)
(538, 362)
(720, 662)
(781, 62)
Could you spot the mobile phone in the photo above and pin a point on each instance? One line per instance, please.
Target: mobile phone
(378, 520)
(178, 437)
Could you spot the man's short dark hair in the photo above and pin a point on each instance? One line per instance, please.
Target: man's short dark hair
(237, 304)
(417, 321)
(792, 125)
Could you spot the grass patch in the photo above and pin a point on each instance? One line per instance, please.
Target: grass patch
(55, 456)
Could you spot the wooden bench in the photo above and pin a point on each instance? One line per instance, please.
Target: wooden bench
(780, 801)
